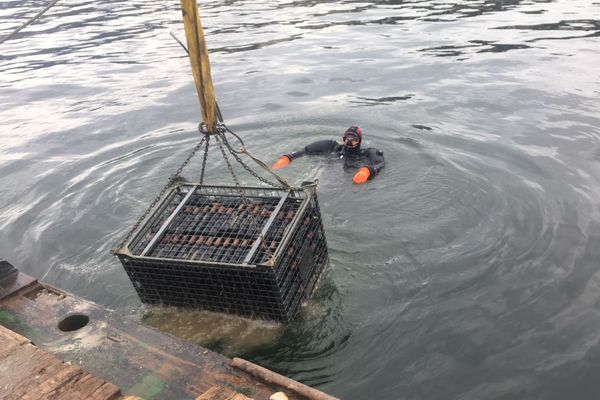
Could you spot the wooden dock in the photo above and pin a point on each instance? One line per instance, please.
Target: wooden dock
(54, 345)
(29, 373)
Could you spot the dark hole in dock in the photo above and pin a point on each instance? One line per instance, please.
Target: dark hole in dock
(73, 322)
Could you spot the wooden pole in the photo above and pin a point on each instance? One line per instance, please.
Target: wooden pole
(198, 53)
(280, 380)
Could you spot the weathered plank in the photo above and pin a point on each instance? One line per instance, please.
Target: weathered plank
(80, 386)
(10, 342)
(124, 352)
(29, 385)
(52, 383)
(23, 369)
(108, 391)
(222, 393)
(29, 373)
(8, 336)
(7, 348)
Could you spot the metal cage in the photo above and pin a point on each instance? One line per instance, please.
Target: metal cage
(257, 252)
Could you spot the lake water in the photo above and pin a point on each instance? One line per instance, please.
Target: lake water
(469, 269)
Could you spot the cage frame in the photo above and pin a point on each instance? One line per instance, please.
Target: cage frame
(289, 302)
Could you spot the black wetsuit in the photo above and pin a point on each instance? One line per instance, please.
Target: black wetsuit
(353, 158)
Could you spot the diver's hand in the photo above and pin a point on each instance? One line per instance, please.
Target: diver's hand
(363, 174)
(282, 162)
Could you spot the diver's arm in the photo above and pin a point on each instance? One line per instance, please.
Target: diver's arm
(322, 147)
(374, 162)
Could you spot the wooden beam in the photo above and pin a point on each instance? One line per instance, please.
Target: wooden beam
(221, 393)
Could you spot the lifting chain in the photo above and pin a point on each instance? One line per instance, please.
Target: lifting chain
(270, 260)
(283, 183)
(204, 158)
(221, 128)
(172, 179)
(222, 143)
(247, 168)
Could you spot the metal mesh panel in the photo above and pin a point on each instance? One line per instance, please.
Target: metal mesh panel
(304, 259)
(201, 248)
(218, 225)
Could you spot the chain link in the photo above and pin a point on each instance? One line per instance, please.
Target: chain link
(172, 179)
(283, 183)
(204, 158)
(247, 168)
(222, 142)
(244, 198)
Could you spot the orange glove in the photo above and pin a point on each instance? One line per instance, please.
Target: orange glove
(362, 175)
(282, 162)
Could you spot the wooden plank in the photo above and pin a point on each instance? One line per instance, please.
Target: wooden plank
(222, 393)
(186, 369)
(53, 382)
(6, 336)
(82, 386)
(28, 385)
(29, 373)
(8, 348)
(108, 391)
(23, 368)
(10, 342)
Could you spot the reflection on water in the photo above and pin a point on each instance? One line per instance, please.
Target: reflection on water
(221, 332)
(467, 269)
(310, 336)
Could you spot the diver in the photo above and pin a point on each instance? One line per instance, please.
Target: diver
(368, 161)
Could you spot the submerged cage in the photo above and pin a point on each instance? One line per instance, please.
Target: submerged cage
(257, 252)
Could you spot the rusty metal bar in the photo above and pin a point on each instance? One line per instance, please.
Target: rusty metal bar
(265, 228)
(168, 221)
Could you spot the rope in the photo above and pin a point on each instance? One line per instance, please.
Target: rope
(28, 22)
(257, 160)
(243, 150)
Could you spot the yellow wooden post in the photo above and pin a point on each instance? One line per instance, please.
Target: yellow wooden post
(198, 53)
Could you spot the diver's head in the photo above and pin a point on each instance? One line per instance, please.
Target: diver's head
(352, 137)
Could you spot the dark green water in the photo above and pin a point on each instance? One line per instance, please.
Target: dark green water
(469, 269)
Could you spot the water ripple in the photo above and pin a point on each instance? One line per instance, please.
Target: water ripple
(467, 269)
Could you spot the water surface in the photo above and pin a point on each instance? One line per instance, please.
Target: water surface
(468, 269)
